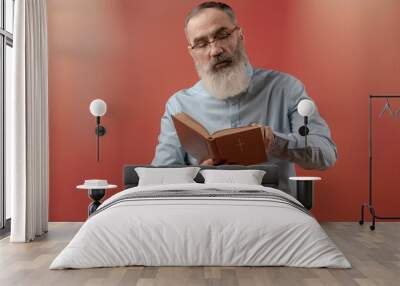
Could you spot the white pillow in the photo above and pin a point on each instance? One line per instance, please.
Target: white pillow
(248, 177)
(163, 176)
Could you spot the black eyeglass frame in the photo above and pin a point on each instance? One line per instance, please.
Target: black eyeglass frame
(214, 40)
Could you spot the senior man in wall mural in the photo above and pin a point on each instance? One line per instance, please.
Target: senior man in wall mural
(232, 93)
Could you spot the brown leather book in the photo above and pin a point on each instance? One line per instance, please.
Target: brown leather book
(241, 145)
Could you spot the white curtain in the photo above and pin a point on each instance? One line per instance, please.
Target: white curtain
(27, 123)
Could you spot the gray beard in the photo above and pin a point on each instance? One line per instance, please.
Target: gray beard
(228, 81)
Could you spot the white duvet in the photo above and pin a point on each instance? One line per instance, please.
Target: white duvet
(200, 231)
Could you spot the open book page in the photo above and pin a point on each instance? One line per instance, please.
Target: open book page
(228, 131)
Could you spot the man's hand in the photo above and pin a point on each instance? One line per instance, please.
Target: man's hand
(208, 162)
(268, 135)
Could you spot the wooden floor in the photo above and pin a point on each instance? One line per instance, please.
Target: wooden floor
(375, 256)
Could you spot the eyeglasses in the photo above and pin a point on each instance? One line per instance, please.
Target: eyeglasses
(222, 37)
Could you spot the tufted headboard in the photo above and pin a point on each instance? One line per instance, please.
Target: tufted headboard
(270, 179)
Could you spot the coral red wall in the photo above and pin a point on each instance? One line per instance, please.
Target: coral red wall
(133, 55)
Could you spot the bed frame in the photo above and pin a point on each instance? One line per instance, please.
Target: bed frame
(270, 179)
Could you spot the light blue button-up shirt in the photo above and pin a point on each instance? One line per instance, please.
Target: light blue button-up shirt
(271, 99)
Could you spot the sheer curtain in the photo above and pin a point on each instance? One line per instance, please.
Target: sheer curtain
(27, 127)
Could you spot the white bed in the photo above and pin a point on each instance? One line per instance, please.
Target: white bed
(206, 230)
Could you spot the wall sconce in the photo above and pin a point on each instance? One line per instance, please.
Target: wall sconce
(98, 108)
(305, 108)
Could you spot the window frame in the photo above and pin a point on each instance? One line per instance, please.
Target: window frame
(6, 39)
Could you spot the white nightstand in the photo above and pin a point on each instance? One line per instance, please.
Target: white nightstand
(305, 190)
(96, 193)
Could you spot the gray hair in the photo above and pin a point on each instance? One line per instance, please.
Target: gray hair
(215, 5)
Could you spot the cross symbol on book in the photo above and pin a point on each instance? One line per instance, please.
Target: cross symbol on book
(240, 144)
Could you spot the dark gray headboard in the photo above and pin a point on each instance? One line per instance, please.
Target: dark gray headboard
(270, 179)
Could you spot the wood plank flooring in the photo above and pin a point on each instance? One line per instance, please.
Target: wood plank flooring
(374, 255)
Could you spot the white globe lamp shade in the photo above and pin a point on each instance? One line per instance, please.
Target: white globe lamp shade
(98, 107)
(306, 107)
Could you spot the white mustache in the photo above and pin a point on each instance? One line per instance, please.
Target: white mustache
(216, 61)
